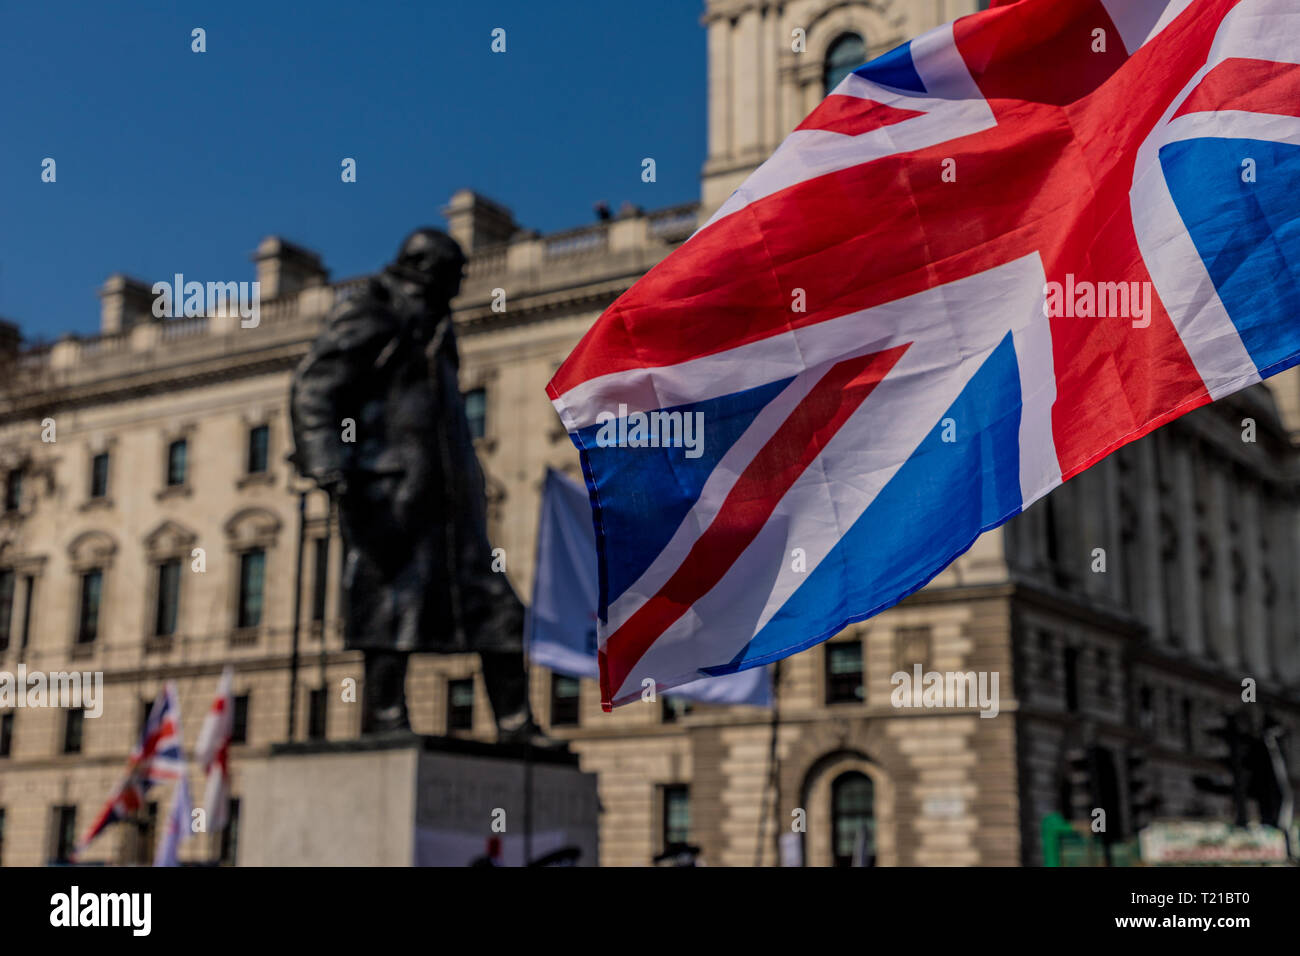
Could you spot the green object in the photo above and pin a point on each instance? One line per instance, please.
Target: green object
(1073, 845)
(1054, 829)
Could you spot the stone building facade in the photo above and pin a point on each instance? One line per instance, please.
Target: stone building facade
(152, 530)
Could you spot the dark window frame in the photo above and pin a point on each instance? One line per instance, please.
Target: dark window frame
(63, 836)
(99, 476)
(673, 707)
(74, 730)
(566, 707)
(258, 458)
(838, 682)
(177, 470)
(167, 597)
(460, 716)
(318, 713)
(320, 582)
(144, 835)
(673, 797)
(13, 490)
(239, 719)
(846, 53)
(475, 400)
(29, 592)
(228, 838)
(1073, 699)
(842, 850)
(245, 619)
(88, 623)
(8, 591)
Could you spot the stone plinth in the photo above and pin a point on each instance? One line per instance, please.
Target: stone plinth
(407, 800)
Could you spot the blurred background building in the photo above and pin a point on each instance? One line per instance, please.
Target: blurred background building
(172, 435)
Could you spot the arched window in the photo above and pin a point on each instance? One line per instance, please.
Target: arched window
(845, 55)
(853, 820)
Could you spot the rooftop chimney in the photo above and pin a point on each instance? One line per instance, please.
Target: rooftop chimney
(123, 301)
(283, 268)
(10, 339)
(476, 221)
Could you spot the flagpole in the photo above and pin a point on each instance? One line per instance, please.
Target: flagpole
(297, 617)
(330, 515)
(528, 803)
(773, 785)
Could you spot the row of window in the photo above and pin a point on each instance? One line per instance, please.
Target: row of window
(8, 619)
(175, 472)
(74, 722)
(852, 825)
(844, 684)
(143, 835)
(256, 460)
(853, 819)
(249, 606)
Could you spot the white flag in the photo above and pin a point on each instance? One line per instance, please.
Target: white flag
(178, 825)
(213, 752)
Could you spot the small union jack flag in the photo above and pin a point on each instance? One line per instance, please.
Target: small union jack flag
(157, 757)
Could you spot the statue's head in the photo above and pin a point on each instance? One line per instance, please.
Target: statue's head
(432, 259)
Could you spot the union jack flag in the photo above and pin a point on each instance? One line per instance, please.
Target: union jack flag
(988, 259)
(156, 757)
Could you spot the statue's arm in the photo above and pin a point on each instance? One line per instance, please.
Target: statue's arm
(327, 392)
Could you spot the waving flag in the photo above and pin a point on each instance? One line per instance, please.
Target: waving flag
(213, 751)
(562, 618)
(156, 757)
(178, 826)
(988, 259)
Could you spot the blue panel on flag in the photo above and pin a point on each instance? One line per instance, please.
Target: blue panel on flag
(1247, 233)
(951, 490)
(662, 482)
(895, 69)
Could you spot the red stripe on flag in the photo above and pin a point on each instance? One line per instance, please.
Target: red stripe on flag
(1255, 86)
(750, 503)
(852, 115)
(1040, 53)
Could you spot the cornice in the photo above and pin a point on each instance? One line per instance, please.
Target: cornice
(479, 318)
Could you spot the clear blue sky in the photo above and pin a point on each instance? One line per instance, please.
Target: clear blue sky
(172, 161)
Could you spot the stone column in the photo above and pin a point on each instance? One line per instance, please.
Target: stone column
(1223, 628)
(1278, 522)
(747, 85)
(1148, 499)
(1253, 624)
(1188, 575)
(1116, 563)
(719, 83)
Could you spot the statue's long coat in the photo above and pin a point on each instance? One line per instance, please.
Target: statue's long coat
(418, 571)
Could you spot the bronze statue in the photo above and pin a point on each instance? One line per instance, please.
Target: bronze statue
(379, 423)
